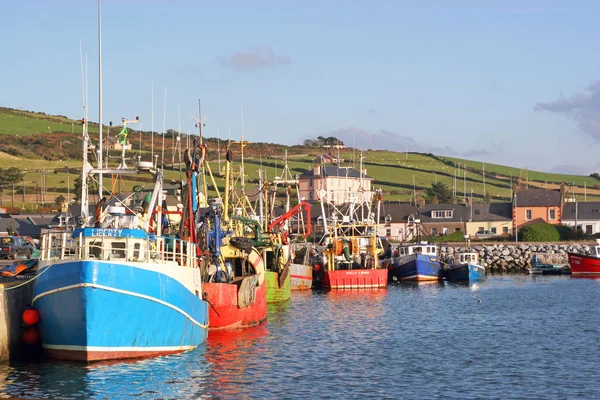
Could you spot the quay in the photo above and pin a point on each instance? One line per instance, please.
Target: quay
(15, 297)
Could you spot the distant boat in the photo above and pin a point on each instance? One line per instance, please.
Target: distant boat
(416, 262)
(543, 265)
(464, 266)
(352, 258)
(585, 264)
(301, 272)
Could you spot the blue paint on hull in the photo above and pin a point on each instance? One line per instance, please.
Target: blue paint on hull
(133, 307)
(417, 267)
(465, 272)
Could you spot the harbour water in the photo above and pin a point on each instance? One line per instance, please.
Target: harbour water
(510, 336)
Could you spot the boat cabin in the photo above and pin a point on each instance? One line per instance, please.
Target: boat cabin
(117, 244)
(467, 258)
(421, 248)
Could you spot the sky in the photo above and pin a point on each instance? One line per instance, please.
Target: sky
(508, 82)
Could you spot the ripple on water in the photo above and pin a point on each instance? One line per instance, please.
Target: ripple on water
(512, 336)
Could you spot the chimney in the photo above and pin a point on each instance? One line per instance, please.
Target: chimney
(317, 170)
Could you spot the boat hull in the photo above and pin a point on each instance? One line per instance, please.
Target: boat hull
(465, 272)
(548, 269)
(582, 264)
(100, 310)
(224, 312)
(301, 276)
(278, 291)
(354, 279)
(416, 267)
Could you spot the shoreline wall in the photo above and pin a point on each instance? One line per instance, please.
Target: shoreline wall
(510, 257)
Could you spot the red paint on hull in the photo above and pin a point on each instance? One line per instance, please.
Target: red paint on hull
(355, 279)
(91, 356)
(582, 264)
(223, 310)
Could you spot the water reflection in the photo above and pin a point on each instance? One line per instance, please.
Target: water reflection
(50, 378)
(592, 277)
(231, 357)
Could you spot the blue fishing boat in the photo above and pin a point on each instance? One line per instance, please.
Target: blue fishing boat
(415, 262)
(464, 266)
(115, 287)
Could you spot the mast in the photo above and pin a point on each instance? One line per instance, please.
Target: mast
(99, 98)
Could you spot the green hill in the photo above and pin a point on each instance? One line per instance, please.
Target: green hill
(35, 142)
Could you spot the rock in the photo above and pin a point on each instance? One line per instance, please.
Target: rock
(505, 252)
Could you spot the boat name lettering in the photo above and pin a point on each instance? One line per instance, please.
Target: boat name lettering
(107, 232)
(357, 272)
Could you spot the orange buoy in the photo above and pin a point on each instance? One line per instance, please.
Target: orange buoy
(31, 335)
(31, 316)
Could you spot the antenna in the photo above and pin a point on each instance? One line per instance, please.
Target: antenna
(219, 149)
(200, 118)
(152, 151)
(82, 76)
(179, 137)
(163, 130)
(99, 97)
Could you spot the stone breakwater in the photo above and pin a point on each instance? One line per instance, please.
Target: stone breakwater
(511, 257)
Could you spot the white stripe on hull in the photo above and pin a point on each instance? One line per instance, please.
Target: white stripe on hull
(116, 348)
(125, 292)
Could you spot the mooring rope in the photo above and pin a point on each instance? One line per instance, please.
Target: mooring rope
(28, 281)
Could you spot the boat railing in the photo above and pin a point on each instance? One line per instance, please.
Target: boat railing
(158, 249)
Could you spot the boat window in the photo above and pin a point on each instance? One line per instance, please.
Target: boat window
(95, 249)
(136, 251)
(117, 249)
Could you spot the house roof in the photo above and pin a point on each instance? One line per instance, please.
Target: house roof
(458, 215)
(334, 171)
(401, 212)
(325, 155)
(27, 225)
(398, 212)
(538, 198)
(491, 212)
(585, 211)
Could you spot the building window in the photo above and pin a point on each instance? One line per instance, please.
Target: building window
(456, 229)
(552, 214)
(434, 231)
(388, 220)
(400, 232)
(528, 215)
(444, 231)
(493, 231)
(310, 183)
(441, 214)
(588, 229)
(480, 229)
(388, 232)
(310, 195)
(505, 229)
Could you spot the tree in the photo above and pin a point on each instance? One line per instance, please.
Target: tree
(309, 142)
(59, 200)
(541, 232)
(438, 193)
(10, 176)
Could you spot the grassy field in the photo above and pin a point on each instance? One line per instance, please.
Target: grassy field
(399, 175)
